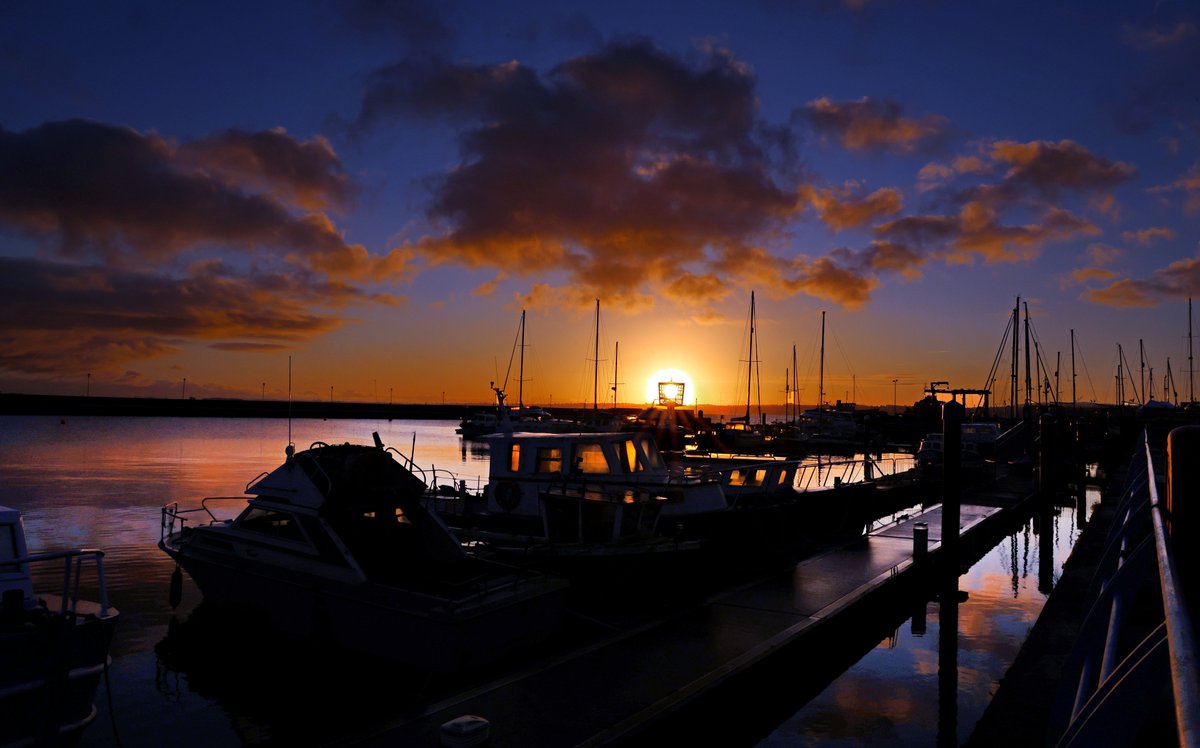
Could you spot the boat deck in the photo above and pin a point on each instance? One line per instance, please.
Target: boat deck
(636, 685)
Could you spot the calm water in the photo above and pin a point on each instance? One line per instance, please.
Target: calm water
(100, 482)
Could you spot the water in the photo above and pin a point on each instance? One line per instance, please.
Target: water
(100, 482)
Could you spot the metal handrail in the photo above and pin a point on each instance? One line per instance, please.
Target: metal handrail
(1185, 682)
(1113, 673)
(73, 558)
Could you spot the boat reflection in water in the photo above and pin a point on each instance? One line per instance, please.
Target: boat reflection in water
(334, 545)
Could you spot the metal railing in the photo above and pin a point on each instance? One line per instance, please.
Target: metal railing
(1137, 632)
(72, 572)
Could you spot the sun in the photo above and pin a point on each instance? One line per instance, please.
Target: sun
(676, 378)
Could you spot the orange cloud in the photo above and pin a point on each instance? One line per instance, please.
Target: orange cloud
(58, 317)
(1049, 167)
(841, 209)
(1146, 237)
(668, 164)
(1102, 254)
(1189, 183)
(977, 231)
(1179, 280)
(869, 125)
(1085, 275)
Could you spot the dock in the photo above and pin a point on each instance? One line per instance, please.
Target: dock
(682, 676)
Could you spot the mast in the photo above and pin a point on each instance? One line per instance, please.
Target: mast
(521, 371)
(750, 360)
(795, 388)
(1142, 357)
(616, 357)
(1016, 355)
(1191, 369)
(821, 380)
(596, 363)
(1028, 371)
(1073, 403)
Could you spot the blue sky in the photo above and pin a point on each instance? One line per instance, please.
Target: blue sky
(377, 189)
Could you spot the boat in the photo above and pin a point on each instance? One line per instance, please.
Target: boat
(978, 445)
(335, 545)
(694, 508)
(54, 648)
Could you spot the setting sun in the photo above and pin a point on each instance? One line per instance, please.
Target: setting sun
(677, 379)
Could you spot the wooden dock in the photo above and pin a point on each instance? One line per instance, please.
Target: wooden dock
(670, 677)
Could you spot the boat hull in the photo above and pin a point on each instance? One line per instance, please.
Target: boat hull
(430, 631)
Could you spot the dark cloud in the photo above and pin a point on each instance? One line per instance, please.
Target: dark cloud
(1147, 236)
(306, 173)
(977, 231)
(1179, 280)
(622, 168)
(91, 189)
(871, 125)
(1052, 167)
(1188, 184)
(64, 317)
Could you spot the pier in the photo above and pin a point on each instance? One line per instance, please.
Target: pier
(682, 676)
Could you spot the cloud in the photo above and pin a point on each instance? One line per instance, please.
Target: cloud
(842, 208)
(1102, 254)
(1051, 167)
(621, 168)
(1189, 184)
(1179, 280)
(1146, 237)
(1086, 275)
(934, 173)
(1146, 39)
(978, 232)
(57, 317)
(92, 190)
(870, 125)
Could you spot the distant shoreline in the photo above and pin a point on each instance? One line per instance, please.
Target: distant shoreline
(77, 405)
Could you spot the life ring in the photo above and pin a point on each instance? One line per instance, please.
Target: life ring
(508, 495)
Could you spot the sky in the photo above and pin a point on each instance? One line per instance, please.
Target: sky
(357, 200)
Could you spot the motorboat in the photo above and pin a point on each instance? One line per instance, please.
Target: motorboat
(54, 648)
(335, 545)
(978, 445)
(528, 473)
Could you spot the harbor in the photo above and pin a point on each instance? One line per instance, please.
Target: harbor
(671, 661)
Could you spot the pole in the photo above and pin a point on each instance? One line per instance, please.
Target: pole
(821, 387)
(1016, 355)
(895, 407)
(616, 383)
(1191, 369)
(1028, 371)
(596, 363)
(521, 377)
(1073, 401)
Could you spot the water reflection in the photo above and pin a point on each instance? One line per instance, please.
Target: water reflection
(929, 682)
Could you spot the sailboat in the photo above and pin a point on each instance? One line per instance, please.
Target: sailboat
(503, 418)
(741, 435)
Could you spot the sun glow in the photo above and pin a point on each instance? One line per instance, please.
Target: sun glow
(674, 377)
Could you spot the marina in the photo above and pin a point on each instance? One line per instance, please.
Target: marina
(650, 663)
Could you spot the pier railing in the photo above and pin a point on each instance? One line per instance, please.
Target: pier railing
(1138, 633)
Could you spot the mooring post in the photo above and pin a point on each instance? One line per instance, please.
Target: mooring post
(920, 541)
(952, 419)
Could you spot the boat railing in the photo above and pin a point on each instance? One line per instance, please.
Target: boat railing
(172, 515)
(1138, 632)
(73, 561)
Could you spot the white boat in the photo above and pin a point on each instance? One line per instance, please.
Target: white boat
(53, 648)
(712, 507)
(978, 445)
(335, 544)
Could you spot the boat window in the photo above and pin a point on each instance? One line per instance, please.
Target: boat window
(549, 460)
(737, 478)
(650, 453)
(514, 458)
(8, 549)
(630, 459)
(589, 458)
(271, 522)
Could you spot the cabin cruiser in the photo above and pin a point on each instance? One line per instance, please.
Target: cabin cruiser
(335, 544)
(53, 648)
(978, 445)
(530, 474)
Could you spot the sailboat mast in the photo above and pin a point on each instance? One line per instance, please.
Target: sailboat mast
(821, 378)
(1073, 402)
(795, 388)
(750, 360)
(1191, 369)
(521, 371)
(1016, 354)
(616, 358)
(1142, 358)
(1028, 371)
(596, 363)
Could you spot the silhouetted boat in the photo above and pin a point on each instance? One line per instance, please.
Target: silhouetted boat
(335, 544)
(53, 648)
